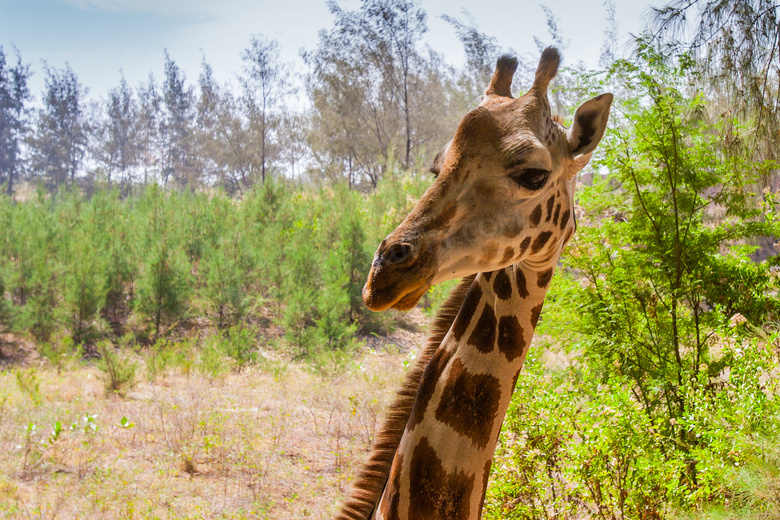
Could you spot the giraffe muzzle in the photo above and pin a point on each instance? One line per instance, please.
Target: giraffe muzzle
(400, 275)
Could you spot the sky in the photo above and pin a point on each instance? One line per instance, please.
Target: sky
(98, 38)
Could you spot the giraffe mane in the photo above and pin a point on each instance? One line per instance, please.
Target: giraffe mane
(370, 483)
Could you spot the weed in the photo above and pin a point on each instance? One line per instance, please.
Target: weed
(211, 360)
(240, 346)
(118, 369)
(27, 379)
(60, 352)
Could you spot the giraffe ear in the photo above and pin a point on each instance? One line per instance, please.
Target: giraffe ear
(501, 82)
(590, 122)
(439, 159)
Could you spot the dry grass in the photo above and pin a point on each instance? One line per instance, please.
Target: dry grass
(278, 440)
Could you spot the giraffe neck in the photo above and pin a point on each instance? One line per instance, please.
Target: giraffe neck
(441, 467)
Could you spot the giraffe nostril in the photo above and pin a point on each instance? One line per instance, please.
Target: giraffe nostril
(397, 253)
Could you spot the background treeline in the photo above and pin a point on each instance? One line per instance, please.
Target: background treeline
(372, 96)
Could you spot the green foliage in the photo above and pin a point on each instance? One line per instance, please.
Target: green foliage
(84, 270)
(661, 268)
(661, 309)
(163, 280)
(59, 351)
(210, 361)
(31, 248)
(226, 265)
(576, 444)
(28, 382)
(166, 354)
(153, 264)
(239, 345)
(119, 369)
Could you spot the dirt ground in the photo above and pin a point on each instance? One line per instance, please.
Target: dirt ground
(279, 440)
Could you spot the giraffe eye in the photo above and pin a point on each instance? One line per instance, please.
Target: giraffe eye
(531, 178)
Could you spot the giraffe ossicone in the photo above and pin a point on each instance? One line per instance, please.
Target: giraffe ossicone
(498, 215)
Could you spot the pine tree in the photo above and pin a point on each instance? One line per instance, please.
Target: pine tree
(60, 139)
(14, 94)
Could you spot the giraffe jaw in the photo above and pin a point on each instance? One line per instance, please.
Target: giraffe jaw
(383, 296)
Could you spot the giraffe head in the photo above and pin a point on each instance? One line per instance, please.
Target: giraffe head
(504, 192)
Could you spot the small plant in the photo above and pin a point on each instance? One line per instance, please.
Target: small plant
(59, 351)
(211, 361)
(125, 424)
(87, 429)
(240, 346)
(27, 380)
(118, 369)
(166, 354)
(29, 447)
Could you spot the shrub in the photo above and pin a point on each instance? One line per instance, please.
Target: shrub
(119, 369)
(239, 345)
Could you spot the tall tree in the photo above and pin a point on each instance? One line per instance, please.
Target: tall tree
(609, 47)
(148, 120)
(175, 125)
(14, 93)
(392, 30)
(60, 139)
(207, 120)
(481, 50)
(119, 148)
(265, 82)
(366, 73)
(737, 44)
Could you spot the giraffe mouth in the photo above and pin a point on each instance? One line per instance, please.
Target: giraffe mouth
(379, 295)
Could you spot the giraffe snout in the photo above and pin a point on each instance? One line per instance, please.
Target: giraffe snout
(400, 275)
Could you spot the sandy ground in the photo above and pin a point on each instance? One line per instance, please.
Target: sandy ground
(278, 440)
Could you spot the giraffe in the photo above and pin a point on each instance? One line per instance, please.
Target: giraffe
(497, 215)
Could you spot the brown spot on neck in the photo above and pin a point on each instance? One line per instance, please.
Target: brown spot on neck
(483, 337)
(524, 244)
(485, 477)
(433, 373)
(522, 286)
(536, 216)
(565, 219)
(540, 241)
(392, 497)
(544, 278)
(469, 403)
(509, 253)
(535, 312)
(467, 311)
(502, 285)
(437, 494)
(550, 203)
(511, 341)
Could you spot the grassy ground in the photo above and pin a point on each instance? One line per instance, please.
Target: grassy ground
(277, 440)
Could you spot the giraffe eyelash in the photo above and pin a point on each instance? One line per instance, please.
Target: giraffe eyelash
(530, 178)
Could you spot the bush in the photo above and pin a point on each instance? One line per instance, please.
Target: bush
(119, 369)
(239, 345)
